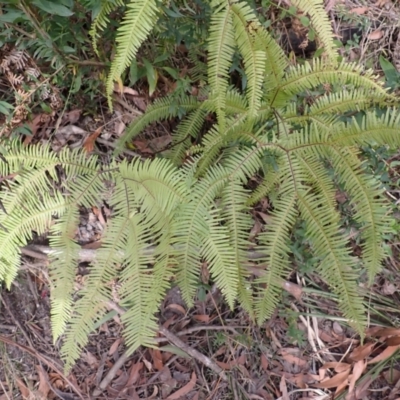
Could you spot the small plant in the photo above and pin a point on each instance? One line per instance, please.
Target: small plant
(284, 138)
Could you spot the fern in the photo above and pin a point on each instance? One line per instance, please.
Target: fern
(192, 205)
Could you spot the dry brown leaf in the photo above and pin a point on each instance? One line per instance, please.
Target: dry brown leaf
(44, 387)
(264, 362)
(148, 365)
(295, 290)
(362, 352)
(88, 144)
(292, 359)
(392, 341)
(389, 351)
(134, 373)
(387, 332)
(185, 390)
(176, 307)
(202, 318)
(90, 359)
(375, 35)
(114, 346)
(392, 376)
(154, 394)
(283, 389)
(359, 10)
(362, 388)
(157, 359)
(358, 369)
(388, 288)
(330, 4)
(124, 89)
(241, 360)
(336, 366)
(334, 382)
(25, 392)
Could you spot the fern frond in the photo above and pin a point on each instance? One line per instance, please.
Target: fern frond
(274, 244)
(159, 110)
(192, 228)
(369, 204)
(245, 22)
(310, 75)
(140, 18)
(320, 22)
(336, 266)
(221, 46)
(189, 127)
(101, 19)
(372, 130)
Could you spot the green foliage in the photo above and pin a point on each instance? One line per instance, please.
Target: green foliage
(288, 137)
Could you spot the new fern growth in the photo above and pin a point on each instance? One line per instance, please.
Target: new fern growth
(193, 203)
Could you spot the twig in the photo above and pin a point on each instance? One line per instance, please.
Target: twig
(43, 359)
(88, 255)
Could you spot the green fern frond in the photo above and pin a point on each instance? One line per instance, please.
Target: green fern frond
(370, 206)
(244, 22)
(221, 46)
(320, 22)
(161, 109)
(139, 19)
(189, 127)
(101, 19)
(310, 75)
(372, 130)
(274, 243)
(336, 266)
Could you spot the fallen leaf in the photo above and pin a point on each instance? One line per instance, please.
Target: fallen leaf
(388, 288)
(362, 352)
(375, 35)
(382, 332)
(157, 359)
(392, 341)
(264, 362)
(359, 10)
(283, 389)
(88, 144)
(334, 382)
(25, 392)
(134, 373)
(358, 369)
(176, 307)
(44, 387)
(125, 90)
(362, 388)
(185, 390)
(388, 352)
(71, 117)
(114, 346)
(392, 376)
(202, 318)
(291, 358)
(295, 290)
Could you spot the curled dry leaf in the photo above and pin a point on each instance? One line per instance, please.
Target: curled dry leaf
(388, 352)
(88, 144)
(362, 352)
(295, 290)
(375, 35)
(176, 307)
(334, 382)
(358, 369)
(185, 390)
(359, 10)
(125, 90)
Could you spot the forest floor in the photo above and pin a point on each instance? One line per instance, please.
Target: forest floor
(208, 351)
